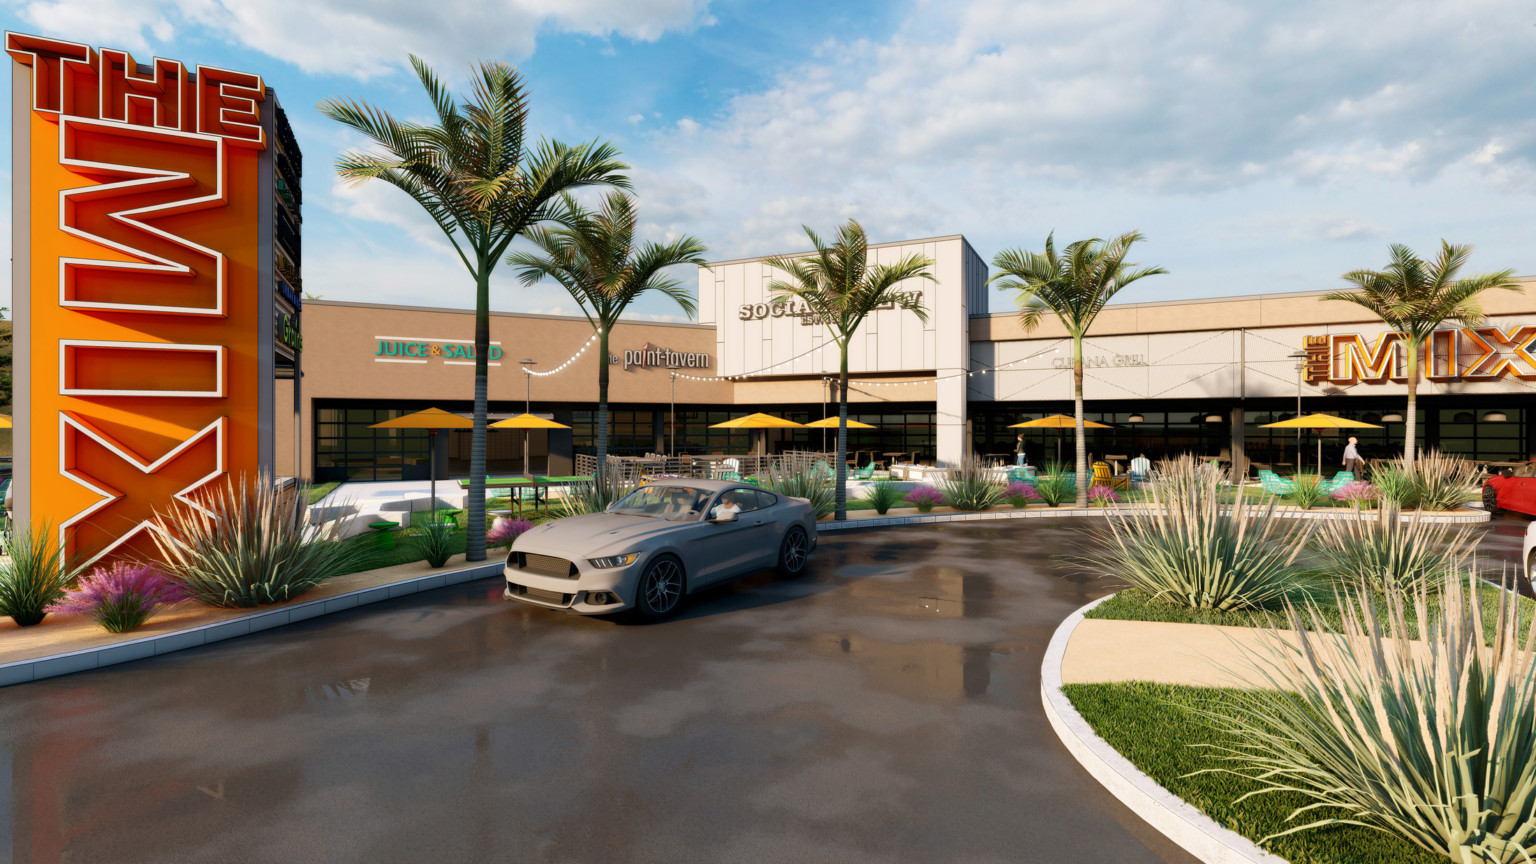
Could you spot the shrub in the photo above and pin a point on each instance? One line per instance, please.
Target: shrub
(1198, 543)
(1445, 482)
(246, 543)
(1307, 491)
(1056, 485)
(968, 485)
(1431, 742)
(924, 498)
(882, 495)
(435, 542)
(1102, 496)
(1358, 493)
(594, 497)
(808, 483)
(1397, 486)
(504, 531)
(122, 596)
(32, 575)
(1020, 494)
(1383, 553)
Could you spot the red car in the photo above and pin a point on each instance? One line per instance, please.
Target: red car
(1507, 492)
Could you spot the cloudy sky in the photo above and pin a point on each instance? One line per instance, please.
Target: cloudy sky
(1260, 147)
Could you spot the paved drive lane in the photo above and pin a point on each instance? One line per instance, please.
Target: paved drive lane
(884, 707)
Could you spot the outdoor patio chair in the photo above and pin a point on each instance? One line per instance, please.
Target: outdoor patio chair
(865, 473)
(1338, 480)
(1274, 484)
(1103, 475)
(1021, 474)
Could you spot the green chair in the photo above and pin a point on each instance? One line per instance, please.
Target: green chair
(865, 473)
(1274, 484)
(1338, 480)
(383, 534)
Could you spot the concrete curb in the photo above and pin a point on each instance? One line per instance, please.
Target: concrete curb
(1467, 516)
(1196, 833)
(38, 668)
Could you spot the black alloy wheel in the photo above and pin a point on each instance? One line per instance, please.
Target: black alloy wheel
(794, 552)
(1491, 499)
(661, 589)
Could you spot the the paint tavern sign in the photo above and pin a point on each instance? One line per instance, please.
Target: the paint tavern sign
(396, 349)
(791, 308)
(647, 357)
(1471, 354)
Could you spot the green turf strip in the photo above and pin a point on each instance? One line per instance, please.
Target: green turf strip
(1159, 728)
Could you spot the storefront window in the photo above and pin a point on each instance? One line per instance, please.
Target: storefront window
(630, 433)
(347, 449)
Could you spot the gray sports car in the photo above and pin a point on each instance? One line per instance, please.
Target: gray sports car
(664, 540)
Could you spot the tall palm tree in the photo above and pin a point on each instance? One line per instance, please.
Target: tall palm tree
(1076, 286)
(595, 259)
(840, 289)
(1415, 297)
(472, 174)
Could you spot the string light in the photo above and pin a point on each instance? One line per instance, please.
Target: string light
(580, 351)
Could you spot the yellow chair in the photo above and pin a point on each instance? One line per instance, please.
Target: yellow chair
(1103, 476)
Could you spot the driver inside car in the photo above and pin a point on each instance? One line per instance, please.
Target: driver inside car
(730, 503)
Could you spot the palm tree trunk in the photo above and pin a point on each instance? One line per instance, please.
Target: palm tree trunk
(842, 438)
(1411, 420)
(1077, 405)
(474, 542)
(602, 407)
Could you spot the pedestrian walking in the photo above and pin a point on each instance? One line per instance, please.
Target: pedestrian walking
(1018, 450)
(1352, 460)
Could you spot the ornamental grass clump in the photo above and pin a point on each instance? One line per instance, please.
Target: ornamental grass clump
(1102, 496)
(1383, 553)
(33, 574)
(434, 541)
(1020, 494)
(1196, 542)
(504, 531)
(1306, 491)
(1444, 482)
(969, 485)
(122, 596)
(925, 498)
(1432, 740)
(585, 498)
(882, 495)
(808, 483)
(1397, 486)
(246, 543)
(1357, 494)
(1056, 485)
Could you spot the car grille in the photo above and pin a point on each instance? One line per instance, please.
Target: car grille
(546, 565)
(553, 598)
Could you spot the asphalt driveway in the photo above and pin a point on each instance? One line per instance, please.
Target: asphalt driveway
(883, 708)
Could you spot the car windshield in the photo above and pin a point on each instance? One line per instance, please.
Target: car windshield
(676, 503)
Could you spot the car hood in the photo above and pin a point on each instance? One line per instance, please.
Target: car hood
(592, 534)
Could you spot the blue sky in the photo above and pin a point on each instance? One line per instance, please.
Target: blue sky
(1260, 147)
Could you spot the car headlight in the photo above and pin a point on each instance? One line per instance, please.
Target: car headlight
(614, 561)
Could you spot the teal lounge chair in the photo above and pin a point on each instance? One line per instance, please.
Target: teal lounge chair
(1274, 484)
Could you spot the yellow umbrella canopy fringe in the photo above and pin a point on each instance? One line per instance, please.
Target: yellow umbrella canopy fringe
(527, 421)
(759, 421)
(1058, 421)
(831, 423)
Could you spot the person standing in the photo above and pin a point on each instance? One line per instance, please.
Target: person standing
(1352, 460)
(1018, 450)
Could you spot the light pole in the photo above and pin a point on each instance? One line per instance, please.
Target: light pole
(672, 414)
(527, 409)
(1300, 358)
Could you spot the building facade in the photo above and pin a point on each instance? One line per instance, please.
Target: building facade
(1199, 376)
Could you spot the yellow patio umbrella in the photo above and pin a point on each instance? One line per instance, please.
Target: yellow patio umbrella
(1318, 421)
(759, 421)
(430, 419)
(5, 421)
(831, 423)
(1058, 421)
(526, 422)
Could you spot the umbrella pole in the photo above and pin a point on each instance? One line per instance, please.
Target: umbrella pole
(432, 468)
(1319, 456)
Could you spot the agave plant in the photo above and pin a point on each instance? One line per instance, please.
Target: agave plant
(121, 596)
(1196, 542)
(1429, 740)
(812, 485)
(33, 574)
(882, 495)
(595, 497)
(1383, 553)
(1307, 491)
(1444, 481)
(969, 485)
(247, 543)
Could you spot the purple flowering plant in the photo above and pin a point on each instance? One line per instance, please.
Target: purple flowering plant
(504, 531)
(121, 596)
(1102, 496)
(1359, 493)
(924, 498)
(1021, 494)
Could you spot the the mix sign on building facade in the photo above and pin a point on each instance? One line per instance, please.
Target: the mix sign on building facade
(144, 214)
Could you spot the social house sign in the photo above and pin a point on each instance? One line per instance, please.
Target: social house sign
(141, 283)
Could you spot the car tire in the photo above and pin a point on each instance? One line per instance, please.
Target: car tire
(794, 552)
(659, 593)
(1491, 500)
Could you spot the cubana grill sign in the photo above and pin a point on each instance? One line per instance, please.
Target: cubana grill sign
(421, 351)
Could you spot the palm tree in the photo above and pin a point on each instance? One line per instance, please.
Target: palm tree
(595, 259)
(1076, 286)
(1415, 297)
(840, 288)
(472, 174)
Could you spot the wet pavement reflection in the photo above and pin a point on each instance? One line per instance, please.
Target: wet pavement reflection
(884, 707)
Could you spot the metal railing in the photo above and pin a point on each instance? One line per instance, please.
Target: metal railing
(633, 469)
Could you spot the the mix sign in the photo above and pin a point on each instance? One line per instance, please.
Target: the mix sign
(141, 274)
(1468, 354)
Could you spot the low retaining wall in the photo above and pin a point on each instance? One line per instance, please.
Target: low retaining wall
(1465, 516)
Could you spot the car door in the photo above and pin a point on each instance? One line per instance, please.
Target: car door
(726, 549)
(767, 540)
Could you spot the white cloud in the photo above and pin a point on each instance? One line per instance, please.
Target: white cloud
(363, 40)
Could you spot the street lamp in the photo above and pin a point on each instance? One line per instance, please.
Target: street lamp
(672, 446)
(527, 409)
(1299, 356)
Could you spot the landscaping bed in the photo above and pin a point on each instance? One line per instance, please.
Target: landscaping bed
(1159, 728)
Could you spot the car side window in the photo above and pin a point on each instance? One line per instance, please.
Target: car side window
(766, 499)
(746, 499)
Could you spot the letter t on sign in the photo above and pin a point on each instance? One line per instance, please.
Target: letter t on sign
(1319, 361)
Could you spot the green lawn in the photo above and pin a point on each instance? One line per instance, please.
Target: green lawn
(405, 550)
(320, 490)
(1160, 729)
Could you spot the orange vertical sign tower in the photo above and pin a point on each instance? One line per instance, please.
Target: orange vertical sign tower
(143, 287)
